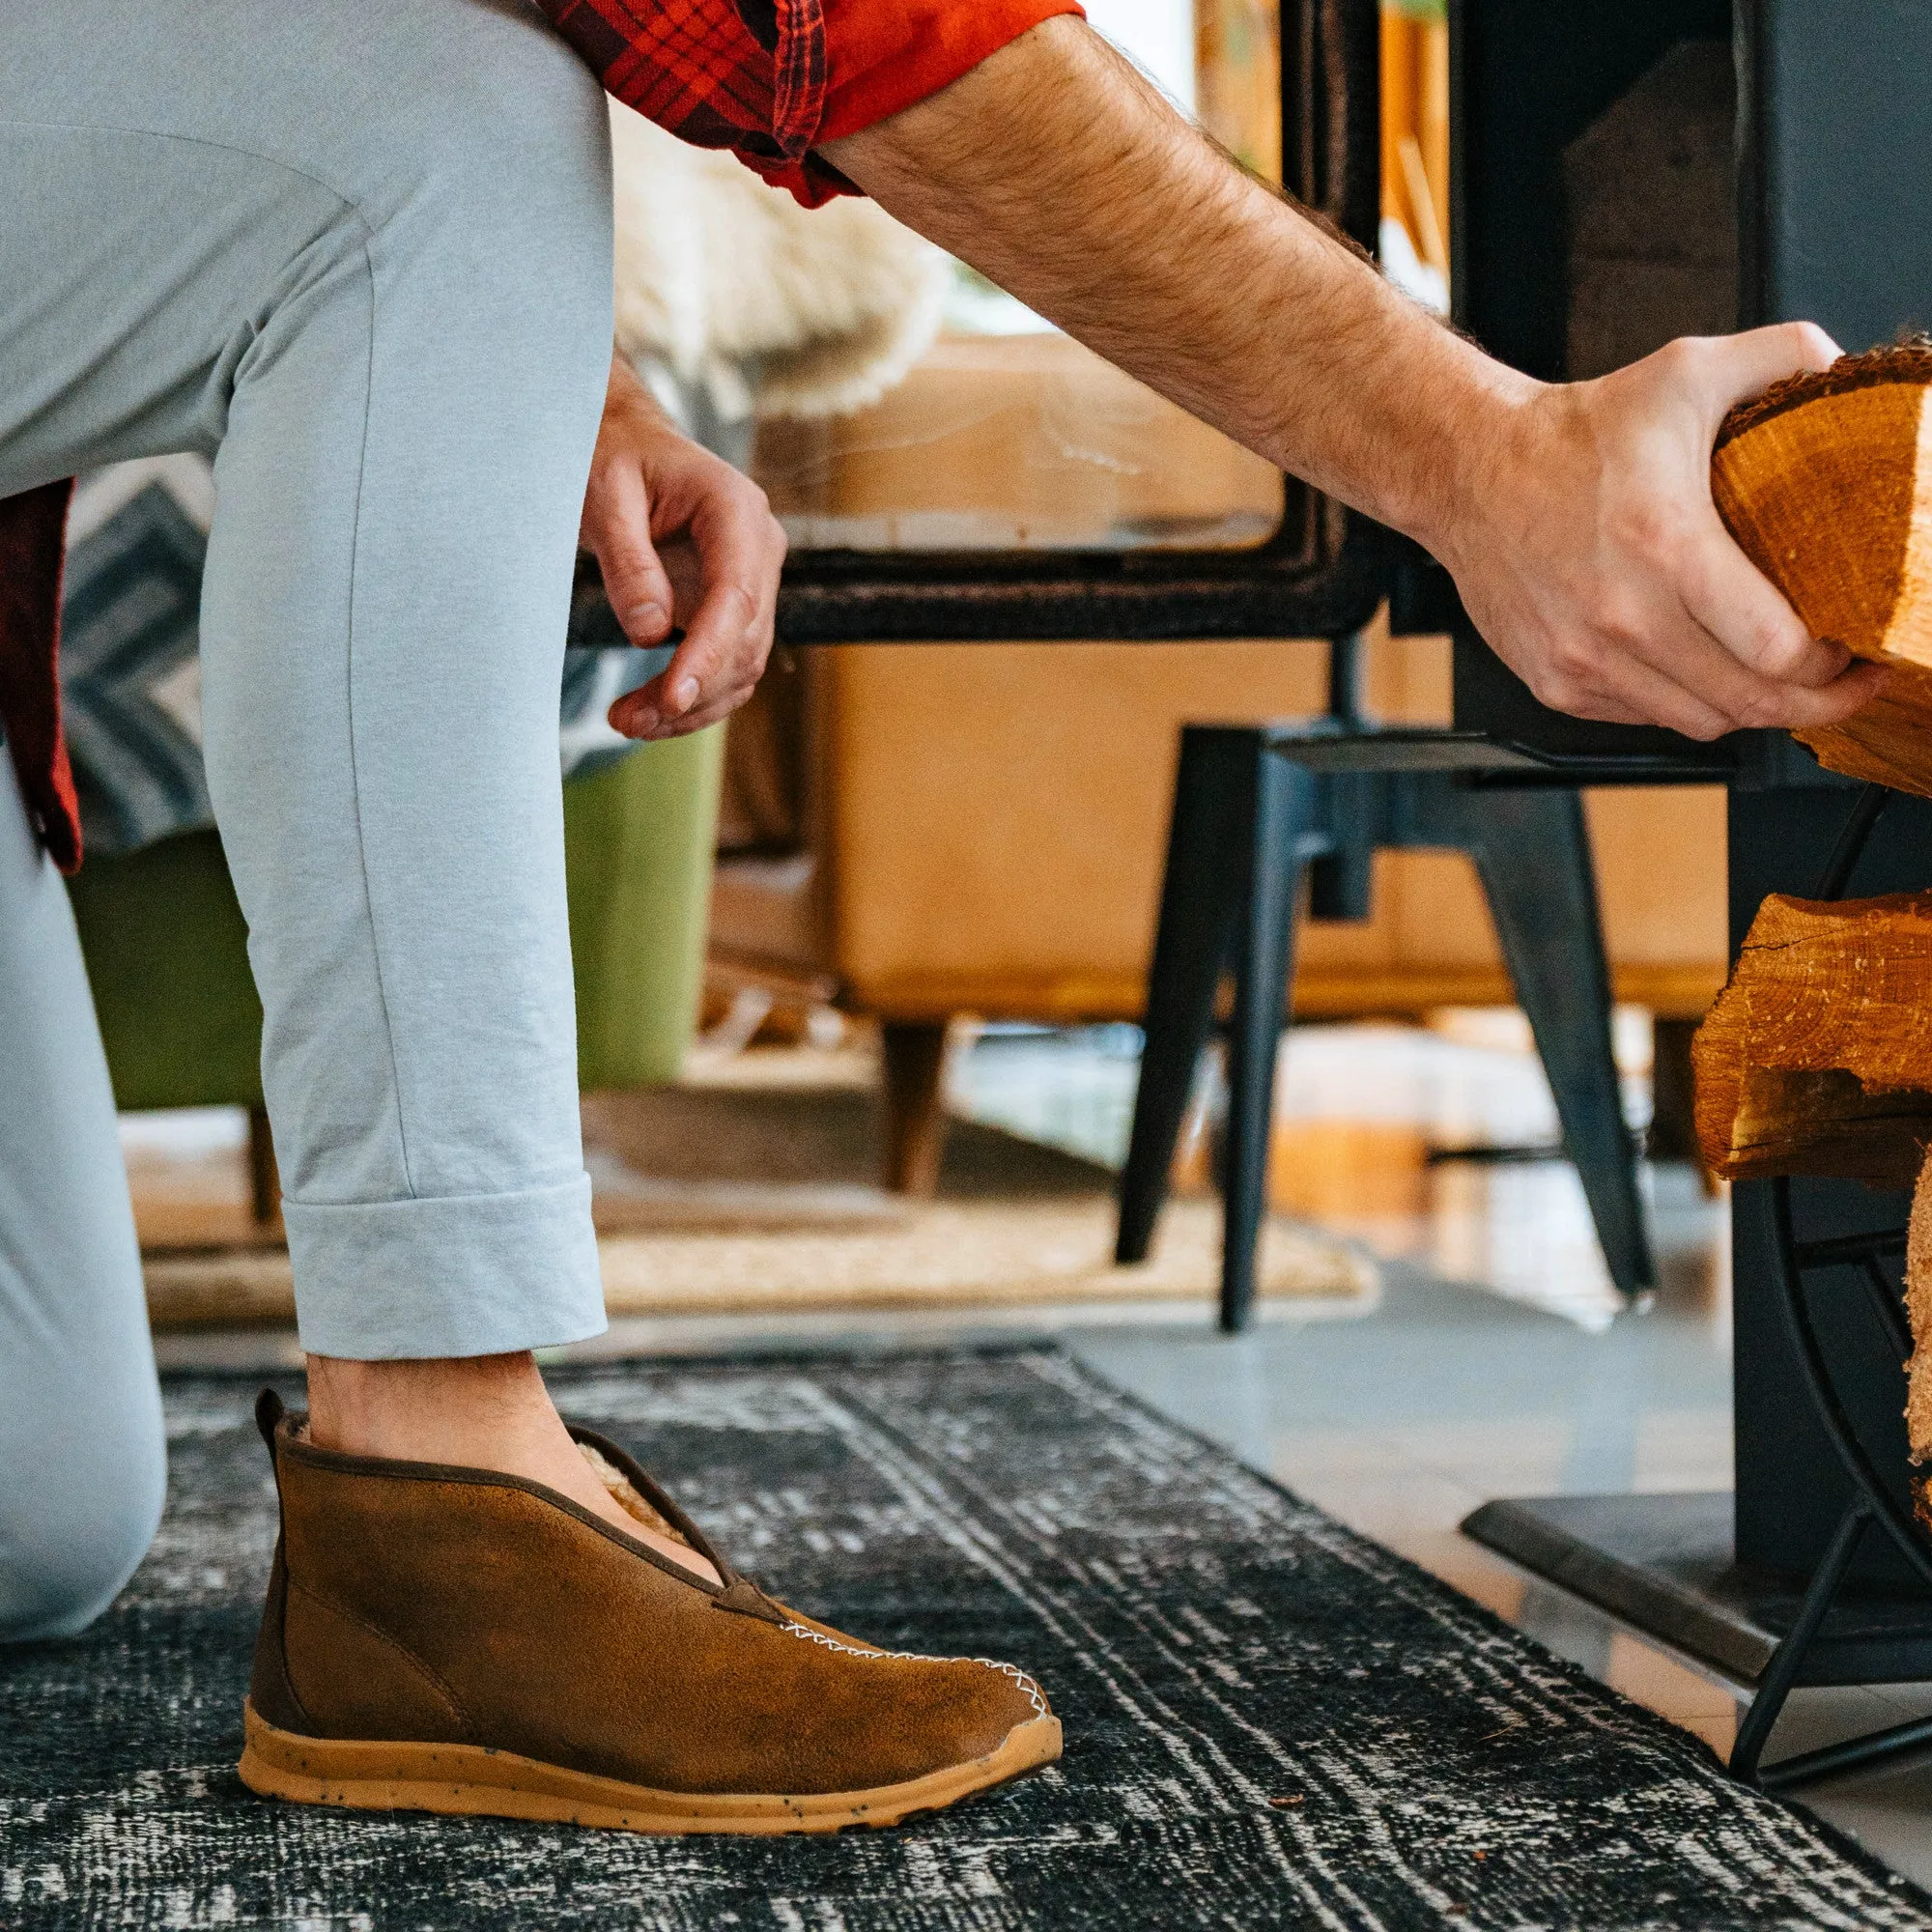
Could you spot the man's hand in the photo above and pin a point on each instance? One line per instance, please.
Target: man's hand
(683, 539)
(1588, 551)
(1576, 519)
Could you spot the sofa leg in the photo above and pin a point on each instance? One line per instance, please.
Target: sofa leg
(264, 1177)
(914, 1054)
(1673, 1117)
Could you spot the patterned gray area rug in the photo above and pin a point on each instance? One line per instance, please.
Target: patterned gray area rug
(1270, 1721)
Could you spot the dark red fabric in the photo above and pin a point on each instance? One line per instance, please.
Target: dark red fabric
(767, 78)
(880, 59)
(744, 75)
(32, 533)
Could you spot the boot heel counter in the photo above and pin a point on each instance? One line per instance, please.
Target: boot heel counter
(323, 1668)
(269, 1689)
(359, 1680)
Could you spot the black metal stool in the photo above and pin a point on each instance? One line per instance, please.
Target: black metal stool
(1255, 805)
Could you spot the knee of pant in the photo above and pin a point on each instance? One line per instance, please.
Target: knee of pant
(504, 183)
(73, 1529)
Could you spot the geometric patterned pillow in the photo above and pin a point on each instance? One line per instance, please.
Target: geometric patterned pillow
(130, 671)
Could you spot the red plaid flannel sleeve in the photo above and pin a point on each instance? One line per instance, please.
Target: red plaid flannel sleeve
(767, 78)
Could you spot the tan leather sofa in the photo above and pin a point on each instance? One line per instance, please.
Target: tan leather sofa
(983, 828)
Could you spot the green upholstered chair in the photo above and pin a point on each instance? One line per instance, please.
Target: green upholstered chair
(166, 946)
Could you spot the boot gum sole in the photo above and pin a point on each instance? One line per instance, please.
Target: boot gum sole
(475, 1781)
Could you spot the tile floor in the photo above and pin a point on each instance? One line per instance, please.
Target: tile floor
(1495, 1363)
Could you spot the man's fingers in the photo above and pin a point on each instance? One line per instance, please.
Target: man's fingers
(1729, 598)
(676, 692)
(1740, 697)
(685, 569)
(1748, 699)
(1626, 659)
(1622, 689)
(634, 577)
(1646, 659)
(1806, 710)
(727, 639)
(1732, 369)
(711, 712)
(641, 719)
(715, 646)
(683, 539)
(1677, 675)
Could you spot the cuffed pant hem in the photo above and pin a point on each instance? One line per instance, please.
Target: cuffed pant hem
(481, 1274)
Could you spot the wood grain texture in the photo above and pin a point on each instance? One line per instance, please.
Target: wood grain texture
(1817, 1058)
(1826, 482)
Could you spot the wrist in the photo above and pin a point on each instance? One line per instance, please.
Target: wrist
(628, 399)
(1482, 452)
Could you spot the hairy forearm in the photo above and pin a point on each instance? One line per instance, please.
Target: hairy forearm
(1058, 172)
(1576, 517)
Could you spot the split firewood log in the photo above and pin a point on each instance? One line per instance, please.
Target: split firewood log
(1826, 482)
(1817, 1056)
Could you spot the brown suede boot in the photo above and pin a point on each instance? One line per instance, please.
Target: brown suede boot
(450, 1640)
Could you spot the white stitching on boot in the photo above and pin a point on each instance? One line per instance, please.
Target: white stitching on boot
(1014, 1672)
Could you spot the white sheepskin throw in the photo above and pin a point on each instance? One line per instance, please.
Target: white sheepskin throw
(719, 275)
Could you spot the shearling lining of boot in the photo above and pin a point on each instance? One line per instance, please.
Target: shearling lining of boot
(625, 1491)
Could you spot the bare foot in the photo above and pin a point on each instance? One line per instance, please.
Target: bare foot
(477, 1411)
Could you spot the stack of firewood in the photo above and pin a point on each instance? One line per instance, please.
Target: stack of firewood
(1817, 1058)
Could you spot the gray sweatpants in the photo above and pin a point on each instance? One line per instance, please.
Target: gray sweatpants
(358, 252)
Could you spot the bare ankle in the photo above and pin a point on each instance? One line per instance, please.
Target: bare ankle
(424, 1410)
(477, 1411)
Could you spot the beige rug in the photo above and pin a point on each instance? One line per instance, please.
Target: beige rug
(757, 1199)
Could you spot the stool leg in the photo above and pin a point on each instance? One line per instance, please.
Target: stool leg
(1532, 849)
(1285, 822)
(1209, 839)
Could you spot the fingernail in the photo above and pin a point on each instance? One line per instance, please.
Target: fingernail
(647, 618)
(686, 694)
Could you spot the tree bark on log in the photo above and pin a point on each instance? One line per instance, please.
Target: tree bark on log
(1919, 1311)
